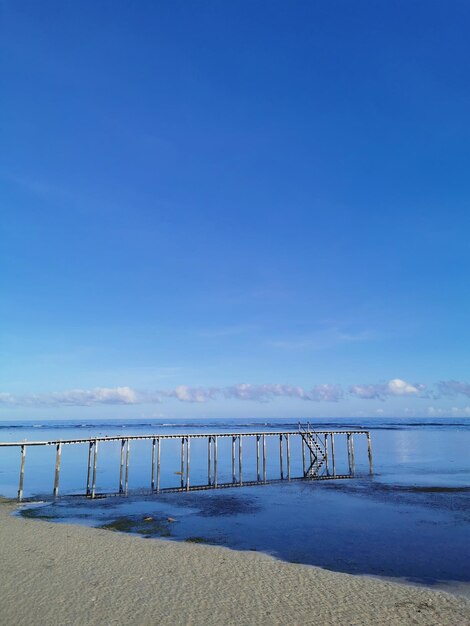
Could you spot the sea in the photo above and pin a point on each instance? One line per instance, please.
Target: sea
(408, 521)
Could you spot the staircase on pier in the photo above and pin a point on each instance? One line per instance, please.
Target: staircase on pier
(316, 460)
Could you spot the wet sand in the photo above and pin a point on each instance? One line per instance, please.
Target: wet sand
(55, 574)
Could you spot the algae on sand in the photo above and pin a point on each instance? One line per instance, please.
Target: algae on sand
(150, 527)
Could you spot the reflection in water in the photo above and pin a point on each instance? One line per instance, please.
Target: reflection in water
(403, 450)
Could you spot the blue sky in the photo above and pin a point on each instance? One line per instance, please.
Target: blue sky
(235, 209)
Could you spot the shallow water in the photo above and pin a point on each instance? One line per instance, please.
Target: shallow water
(410, 520)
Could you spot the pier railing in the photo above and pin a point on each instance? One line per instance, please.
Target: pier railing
(317, 448)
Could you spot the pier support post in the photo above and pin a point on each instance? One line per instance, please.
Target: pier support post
(126, 481)
(333, 454)
(158, 465)
(188, 441)
(233, 459)
(326, 456)
(281, 463)
(209, 460)
(215, 461)
(152, 480)
(88, 477)
(304, 466)
(20, 485)
(351, 445)
(348, 443)
(258, 473)
(95, 461)
(182, 463)
(57, 469)
(288, 456)
(369, 452)
(264, 458)
(121, 467)
(240, 478)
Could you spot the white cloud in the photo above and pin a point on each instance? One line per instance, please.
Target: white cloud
(398, 387)
(327, 393)
(263, 393)
(367, 392)
(76, 397)
(266, 392)
(99, 395)
(192, 394)
(394, 387)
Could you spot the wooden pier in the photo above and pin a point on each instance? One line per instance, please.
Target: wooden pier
(318, 450)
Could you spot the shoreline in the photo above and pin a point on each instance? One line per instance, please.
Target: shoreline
(65, 574)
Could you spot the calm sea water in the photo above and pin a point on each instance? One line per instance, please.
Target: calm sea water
(410, 520)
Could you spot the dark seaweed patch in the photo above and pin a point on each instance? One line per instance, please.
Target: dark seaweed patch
(149, 527)
(36, 513)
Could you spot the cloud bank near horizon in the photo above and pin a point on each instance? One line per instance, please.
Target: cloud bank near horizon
(395, 387)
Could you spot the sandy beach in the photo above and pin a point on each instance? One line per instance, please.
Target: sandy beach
(62, 574)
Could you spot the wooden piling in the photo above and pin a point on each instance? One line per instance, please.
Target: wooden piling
(182, 463)
(348, 443)
(369, 452)
(281, 464)
(158, 464)
(95, 461)
(126, 480)
(288, 455)
(317, 457)
(304, 466)
(233, 459)
(326, 456)
(258, 473)
(351, 445)
(57, 469)
(215, 461)
(90, 448)
(333, 454)
(121, 467)
(240, 479)
(188, 441)
(152, 480)
(264, 458)
(209, 460)
(20, 485)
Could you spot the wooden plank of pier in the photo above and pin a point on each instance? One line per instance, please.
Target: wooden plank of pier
(54, 442)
